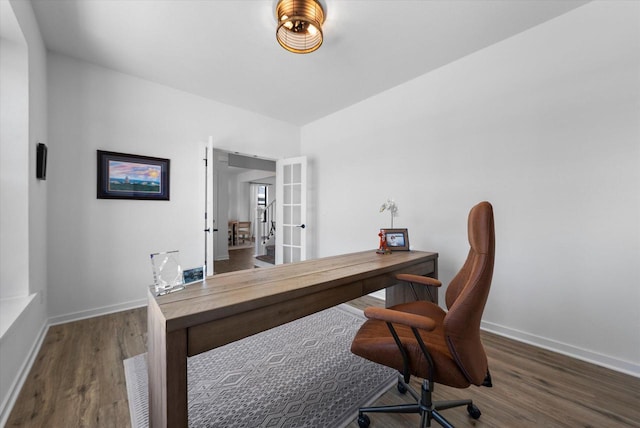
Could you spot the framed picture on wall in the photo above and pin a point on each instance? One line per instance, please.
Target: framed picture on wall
(397, 239)
(126, 176)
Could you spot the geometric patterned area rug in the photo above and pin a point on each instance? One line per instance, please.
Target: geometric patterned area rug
(300, 374)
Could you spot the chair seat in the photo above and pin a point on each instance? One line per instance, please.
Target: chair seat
(374, 342)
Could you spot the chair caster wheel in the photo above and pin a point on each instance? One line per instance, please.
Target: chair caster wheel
(363, 421)
(402, 388)
(473, 411)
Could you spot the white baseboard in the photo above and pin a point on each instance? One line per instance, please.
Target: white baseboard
(16, 387)
(612, 363)
(105, 310)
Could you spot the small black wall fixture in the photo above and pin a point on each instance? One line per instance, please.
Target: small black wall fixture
(41, 161)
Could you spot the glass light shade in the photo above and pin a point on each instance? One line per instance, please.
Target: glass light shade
(299, 25)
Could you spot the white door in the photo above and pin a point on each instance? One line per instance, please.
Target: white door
(211, 192)
(291, 210)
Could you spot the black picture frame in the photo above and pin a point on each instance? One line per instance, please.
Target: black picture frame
(128, 176)
(397, 239)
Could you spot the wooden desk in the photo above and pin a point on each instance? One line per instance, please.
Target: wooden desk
(235, 305)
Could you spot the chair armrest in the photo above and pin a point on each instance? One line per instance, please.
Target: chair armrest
(418, 279)
(398, 317)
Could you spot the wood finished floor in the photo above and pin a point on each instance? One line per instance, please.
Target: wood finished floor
(77, 380)
(239, 259)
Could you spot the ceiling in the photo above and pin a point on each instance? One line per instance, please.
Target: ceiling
(226, 50)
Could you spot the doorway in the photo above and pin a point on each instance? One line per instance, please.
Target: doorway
(237, 182)
(244, 188)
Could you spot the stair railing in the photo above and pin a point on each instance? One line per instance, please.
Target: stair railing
(265, 222)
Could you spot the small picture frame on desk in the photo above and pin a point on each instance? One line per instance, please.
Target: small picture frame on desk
(193, 275)
(397, 239)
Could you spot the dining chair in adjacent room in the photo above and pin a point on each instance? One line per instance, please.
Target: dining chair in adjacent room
(244, 231)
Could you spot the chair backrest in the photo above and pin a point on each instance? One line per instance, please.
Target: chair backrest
(244, 227)
(467, 294)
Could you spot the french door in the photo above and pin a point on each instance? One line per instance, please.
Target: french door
(291, 210)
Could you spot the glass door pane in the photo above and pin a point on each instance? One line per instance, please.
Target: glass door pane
(291, 210)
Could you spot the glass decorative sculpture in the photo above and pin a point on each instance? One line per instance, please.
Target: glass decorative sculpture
(167, 272)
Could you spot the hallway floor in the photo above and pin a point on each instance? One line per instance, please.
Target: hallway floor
(239, 259)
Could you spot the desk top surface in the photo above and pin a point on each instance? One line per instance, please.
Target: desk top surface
(230, 293)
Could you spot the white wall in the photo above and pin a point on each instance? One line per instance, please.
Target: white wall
(238, 198)
(99, 249)
(240, 194)
(21, 340)
(14, 171)
(545, 125)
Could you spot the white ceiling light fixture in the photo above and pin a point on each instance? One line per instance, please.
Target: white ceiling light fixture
(299, 25)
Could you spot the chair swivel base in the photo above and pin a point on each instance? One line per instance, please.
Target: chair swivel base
(428, 410)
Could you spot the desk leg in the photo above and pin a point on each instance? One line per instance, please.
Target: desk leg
(402, 293)
(167, 363)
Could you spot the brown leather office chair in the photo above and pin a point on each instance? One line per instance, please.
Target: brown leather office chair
(421, 339)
